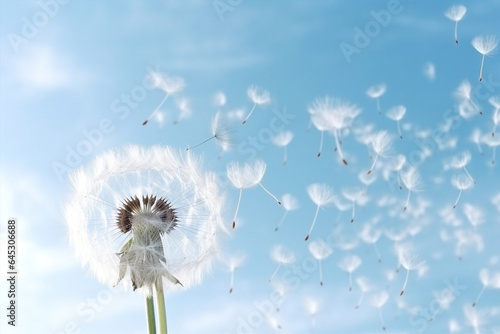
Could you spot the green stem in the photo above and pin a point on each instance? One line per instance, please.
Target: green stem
(162, 314)
(150, 312)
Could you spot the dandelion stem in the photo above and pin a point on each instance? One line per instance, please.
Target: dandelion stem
(284, 156)
(407, 200)
(162, 313)
(269, 193)
(399, 130)
(467, 172)
(458, 198)
(275, 272)
(350, 281)
(314, 222)
(203, 142)
(339, 147)
(237, 208)
(232, 281)
(373, 165)
(377, 252)
(353, 211)
(381, 317)
(456, 35)
(250, 113)
(481, 70)
(320, 144)
(156, 109)
(150, 312)
(475, 106)
(282, 220)
(360, 300)
(320, 274)
(479, 296)
(378, 106)
(406, 281)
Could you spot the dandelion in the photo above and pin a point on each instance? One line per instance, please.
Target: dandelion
(444, 298)
(381, 143)
(429, 71)
(147, 216)
(321, 194)
(487, 280)
(247, 176)
(355, 195)
(282, 139)
(396, 114)
(475, 137)
(473, 214)
(313, 306)
(456, 13)
(349, 264)
(365, 286)
(461, 161)
(492, 142)
(169, 84)
(219, 99)
(220, 132)
(259, 97)
(378, 300)
(183, 104)
(281, 255)
(461, 182)
(320, 251)
(409, 261)
(370, 235)
(463, 94)
(474, 318)
(289, 203)
(375, 92)
(495, 102)
(411, 180)
(485, 45)
(234, 263)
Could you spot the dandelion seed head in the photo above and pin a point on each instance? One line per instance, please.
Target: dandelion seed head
(289, 202)
(282, 255)
(319, 249)
(376, 91)
(485, 45)
(320, 193)
(282, 138)
(350, 263)
(381, 143)
(170, 84)
(396, 113)
(258, 96)
(246, 175)
(456, 12)
(462, 181)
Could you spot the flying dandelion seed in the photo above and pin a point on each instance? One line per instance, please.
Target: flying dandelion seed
(412, 181)
(349, 264)
(463, 94)
(474, 318)
(184, 106)
(396, 114)
(281, 290)
(461, 161)
(493, 142)
(495, 102)
(381, 144)
(289, 203)
(461, 182)
(375, 92)
(456, 13)
(282, 139)
(320, 251)
(147, 216)
(313, 306)
(234, 263)
(473, 214)
(476, 138)
(365, 286)
(429, 71)
(485, 45)
(409, 261)
(169, 84)
(259, 97)
(247, 176)
(355, 195)
(220, 132)
(444, 298)
(219, 99)
(281, 255)
(378, 300)
(484, 277)
(321, 194)
(370, 235)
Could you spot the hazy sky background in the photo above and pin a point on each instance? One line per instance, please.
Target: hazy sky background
(66, 69)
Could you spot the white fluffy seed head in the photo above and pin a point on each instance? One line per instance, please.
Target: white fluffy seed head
(396, 113)
(381, 143)
(289, 202)
(456, 12)
(320, 193)
(221, 132)
(378, 299)
(258, 96)
(247, 175)
(170, 84)
(282, 138)
(350, 263)
(145, 215)
(282, 255)
(462, 181)
(411, 179)
(320, 250)
(485, 45)
(376, 91)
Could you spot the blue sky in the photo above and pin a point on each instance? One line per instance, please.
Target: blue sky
(65, 80)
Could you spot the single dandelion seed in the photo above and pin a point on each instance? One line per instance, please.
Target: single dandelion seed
(281, 290)
(474, 318)
(396, 114)
(245, 176)
(282, 139)
(463, 94)
(320, 251)
(461, 182)
(169, 84)
(148, 218)
(289, 203)
(321, 194)
(370, 235)
(313, 306)
(184, 106)
(281, 255)
(234, 263)
(456, 13)
(476, 138)
(495, 102)
(493, 142)
(461, 161)
(412, 182)
(219, 99)
(349, 264)
(409, 261)
(378, 300)
(355, 195)
(485, 45)
(220, 132)
(259, 97)
(444, 298)
(375, 92)
(429, 71)
(365, 286)
(484, 277)
(381, 144)
(474, 215)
